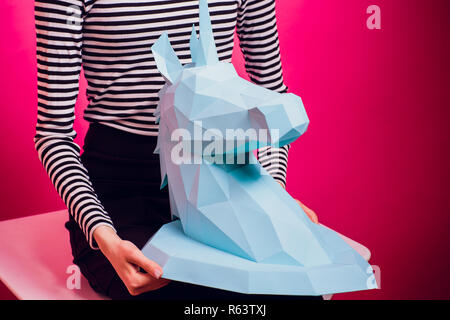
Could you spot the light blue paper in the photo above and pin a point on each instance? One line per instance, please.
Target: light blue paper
(238, 229)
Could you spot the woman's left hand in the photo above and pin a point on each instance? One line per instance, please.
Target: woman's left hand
(311, 214)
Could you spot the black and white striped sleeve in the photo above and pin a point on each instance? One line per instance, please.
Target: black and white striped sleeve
(258, 38)
(59, 42)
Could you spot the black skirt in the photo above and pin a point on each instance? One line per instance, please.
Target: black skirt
(125, 174)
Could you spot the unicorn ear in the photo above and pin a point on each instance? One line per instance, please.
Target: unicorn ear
(203, 50)
(194, 45)
(166, 58)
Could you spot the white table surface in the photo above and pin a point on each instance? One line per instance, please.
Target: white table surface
(35, 255)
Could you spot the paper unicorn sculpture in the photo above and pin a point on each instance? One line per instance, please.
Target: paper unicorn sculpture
(238, 229)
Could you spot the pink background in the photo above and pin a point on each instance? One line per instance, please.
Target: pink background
(374, 162)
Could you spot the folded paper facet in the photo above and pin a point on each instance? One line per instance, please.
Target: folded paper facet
(237, 228)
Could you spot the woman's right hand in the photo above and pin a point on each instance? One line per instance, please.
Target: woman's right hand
(127, 260)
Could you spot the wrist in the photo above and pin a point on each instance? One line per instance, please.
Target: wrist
(106, 238)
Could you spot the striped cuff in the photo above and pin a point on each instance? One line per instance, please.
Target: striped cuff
(275, 160)
(90, 236)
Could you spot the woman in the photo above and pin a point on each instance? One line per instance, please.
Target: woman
(112, 190)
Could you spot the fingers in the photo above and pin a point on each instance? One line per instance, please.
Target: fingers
(153, 284)
(311, 214)
(137, 283)
(131, 264)
(313, 217)
(151, 267)
(142, 282)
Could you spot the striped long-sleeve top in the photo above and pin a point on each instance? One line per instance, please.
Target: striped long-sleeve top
(111, 40)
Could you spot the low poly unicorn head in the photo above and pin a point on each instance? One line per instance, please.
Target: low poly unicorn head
(209, 96)
(238, 228)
